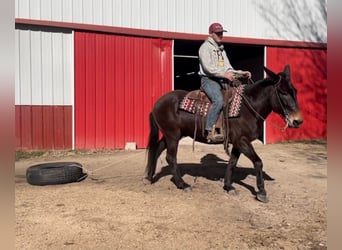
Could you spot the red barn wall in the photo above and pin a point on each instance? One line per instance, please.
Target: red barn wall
(117, 80)
(43, 127)
(309, 76)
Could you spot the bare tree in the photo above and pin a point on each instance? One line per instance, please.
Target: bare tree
(304, 20)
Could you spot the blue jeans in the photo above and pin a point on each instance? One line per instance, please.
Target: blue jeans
(213, 91)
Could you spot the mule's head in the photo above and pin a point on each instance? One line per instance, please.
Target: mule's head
(284, 101)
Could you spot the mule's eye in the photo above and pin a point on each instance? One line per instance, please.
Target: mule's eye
(284, 98)
(282, 92)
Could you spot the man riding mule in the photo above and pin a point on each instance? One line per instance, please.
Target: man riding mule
(199, 103)
(275, 93)
(215, 72)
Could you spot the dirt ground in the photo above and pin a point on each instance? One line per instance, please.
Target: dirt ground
(113, 209)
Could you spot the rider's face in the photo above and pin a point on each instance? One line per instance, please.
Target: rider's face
(217, 36)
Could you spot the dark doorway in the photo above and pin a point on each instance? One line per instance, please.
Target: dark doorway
(244, 57)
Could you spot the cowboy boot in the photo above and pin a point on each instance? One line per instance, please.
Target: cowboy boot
(214, 137)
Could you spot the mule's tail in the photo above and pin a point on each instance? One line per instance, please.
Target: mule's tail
(152, 147)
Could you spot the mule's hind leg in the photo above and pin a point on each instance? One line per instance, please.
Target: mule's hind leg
(153, 156)
(171, 158)
(234, 157)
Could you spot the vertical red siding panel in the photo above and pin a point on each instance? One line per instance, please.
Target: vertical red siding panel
(100, 92)
(37, 127)
(90, 95)
(26, 127)
(129, 89)
(156, 76)
(80, 90)
(58, 125)
(48, 127)
(67, 126)
(18, 122)
(308, 73)
(110, 92)
(147, 90)
(138, 100)
(167, 66)
(119, 82)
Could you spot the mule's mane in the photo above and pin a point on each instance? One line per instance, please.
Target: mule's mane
(252, 89)
(265, 82)
(260, 85)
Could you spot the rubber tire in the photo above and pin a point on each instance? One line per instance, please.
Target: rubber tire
(54, 173)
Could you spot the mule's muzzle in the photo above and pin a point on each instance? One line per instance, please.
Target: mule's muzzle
(296, 123)
(295, 120)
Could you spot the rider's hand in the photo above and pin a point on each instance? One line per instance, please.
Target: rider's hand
(229, 75)
(247, 74)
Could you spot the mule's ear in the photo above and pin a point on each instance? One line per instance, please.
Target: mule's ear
(287, 71)
(270, 73)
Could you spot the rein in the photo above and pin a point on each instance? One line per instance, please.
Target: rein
(286, 114)
(282, 106)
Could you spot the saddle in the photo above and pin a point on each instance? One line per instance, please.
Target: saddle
(198, 103)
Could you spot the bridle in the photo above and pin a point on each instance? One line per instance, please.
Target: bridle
(285, 113)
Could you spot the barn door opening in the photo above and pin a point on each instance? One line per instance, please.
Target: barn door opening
(246, 57)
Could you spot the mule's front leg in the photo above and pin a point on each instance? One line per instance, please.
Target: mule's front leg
(234, 157)
(247, 149)
(261, 194)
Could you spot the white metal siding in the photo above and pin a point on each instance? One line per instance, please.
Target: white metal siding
(44, 68)
(243, 18)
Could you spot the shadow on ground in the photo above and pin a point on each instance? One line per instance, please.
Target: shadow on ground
(213, 168)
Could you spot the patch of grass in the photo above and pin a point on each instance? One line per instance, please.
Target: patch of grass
(310, 142)
(21, 155)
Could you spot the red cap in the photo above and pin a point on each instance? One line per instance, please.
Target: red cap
(216, 27)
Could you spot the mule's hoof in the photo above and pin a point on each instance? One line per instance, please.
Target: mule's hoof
(187, 189)
(146, 181)
(233, 192)
(229, 188)
(262, 197)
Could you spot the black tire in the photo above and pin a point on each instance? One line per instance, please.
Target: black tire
(54, 173)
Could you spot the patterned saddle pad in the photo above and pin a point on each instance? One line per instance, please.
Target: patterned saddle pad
(192, 105)
(199, 105)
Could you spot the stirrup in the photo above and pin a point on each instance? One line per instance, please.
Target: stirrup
(214, 137)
